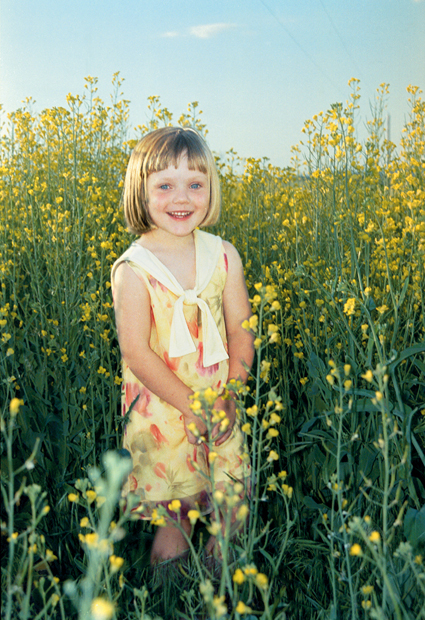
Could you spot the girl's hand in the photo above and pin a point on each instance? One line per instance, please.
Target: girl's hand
(189, 420)
(229, 407)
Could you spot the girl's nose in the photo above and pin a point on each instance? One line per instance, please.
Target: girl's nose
(181, 195)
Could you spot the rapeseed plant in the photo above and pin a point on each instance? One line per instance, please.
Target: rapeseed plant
(333, 249)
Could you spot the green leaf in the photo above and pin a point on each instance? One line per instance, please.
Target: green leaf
(414, 526)
(414, 350)
(312, 505)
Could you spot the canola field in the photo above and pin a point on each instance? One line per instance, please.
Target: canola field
(334, 412)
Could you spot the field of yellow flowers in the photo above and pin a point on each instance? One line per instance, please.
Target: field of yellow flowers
(334, 412)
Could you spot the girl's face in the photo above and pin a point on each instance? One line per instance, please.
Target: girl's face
(178, 198)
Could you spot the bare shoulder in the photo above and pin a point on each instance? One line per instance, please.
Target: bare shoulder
(127, 282)
(233, 258)
(123, 274)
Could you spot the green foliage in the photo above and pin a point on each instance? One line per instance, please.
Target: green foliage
(334, 412)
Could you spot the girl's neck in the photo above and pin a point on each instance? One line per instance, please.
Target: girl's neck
(176, 253)
(158, 240)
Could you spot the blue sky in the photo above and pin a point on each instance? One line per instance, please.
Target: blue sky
(259, 68)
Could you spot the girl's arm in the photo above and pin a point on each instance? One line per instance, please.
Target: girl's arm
(133, 320)
(236, 308)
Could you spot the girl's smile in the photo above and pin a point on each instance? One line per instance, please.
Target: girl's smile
(178, 198)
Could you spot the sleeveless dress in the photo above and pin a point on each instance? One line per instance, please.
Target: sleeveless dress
(188, 333)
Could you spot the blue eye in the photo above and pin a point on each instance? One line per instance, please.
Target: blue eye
(165, 186)
(195, 185)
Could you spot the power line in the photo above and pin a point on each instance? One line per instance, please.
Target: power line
(291, 36)
(341, 40)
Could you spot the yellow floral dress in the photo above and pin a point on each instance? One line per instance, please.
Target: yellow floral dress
(165, 465)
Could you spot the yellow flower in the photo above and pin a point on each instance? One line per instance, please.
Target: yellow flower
(84, 522)
(55, 598)
(366, 590)
(214, 528)
(246, 428)
(15, 405)
(73, 497)
(211, 457)
(355, 549)
(210, 396)
(242, 512)
(273, 456)
(241, 608)
(238, 577)
(368, 376)
(157, 520)
(252, 411)
(272, 432)
(50, 556)
(375, 537)
(287, 490)
(220, 607)
(196, 405)
(116, 563)
(193, 516)
(175, 505)
(91, 539)
(101, 609)
(350, 306)
(261, 581)
(91, 495)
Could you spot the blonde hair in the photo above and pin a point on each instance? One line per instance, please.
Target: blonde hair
(155, 152)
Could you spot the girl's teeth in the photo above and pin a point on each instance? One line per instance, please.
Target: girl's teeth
(180, 213)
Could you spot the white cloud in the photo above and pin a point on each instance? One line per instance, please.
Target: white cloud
(170, 34)
(209, 30)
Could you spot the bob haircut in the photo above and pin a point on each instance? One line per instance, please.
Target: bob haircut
(157, 151)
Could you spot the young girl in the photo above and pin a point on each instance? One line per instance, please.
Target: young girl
(180, 299)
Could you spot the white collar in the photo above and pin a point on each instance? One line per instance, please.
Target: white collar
(207, 252)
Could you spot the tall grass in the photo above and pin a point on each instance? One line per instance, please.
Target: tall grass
(334, 412)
